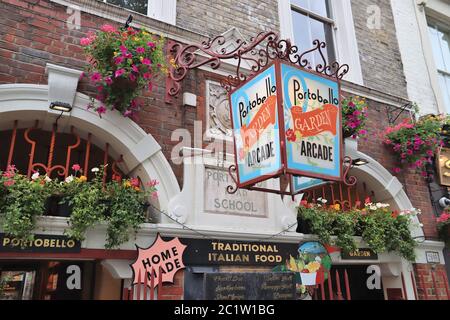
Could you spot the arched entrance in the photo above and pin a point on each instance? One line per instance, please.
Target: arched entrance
(24, 106)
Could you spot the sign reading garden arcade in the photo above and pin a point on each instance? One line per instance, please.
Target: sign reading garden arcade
(287, 120)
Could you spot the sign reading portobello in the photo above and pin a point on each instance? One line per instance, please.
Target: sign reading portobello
(287, 120)
(223, 252)
(312, 124)
(249, 286)
(44, 243)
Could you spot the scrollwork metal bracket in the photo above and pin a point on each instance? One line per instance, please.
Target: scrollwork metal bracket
(258, 53)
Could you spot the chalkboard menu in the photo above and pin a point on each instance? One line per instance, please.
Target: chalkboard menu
(249, 286)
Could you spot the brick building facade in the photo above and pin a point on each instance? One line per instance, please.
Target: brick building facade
(34, 34)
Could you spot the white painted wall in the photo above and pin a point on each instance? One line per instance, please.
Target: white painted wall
(419, 68)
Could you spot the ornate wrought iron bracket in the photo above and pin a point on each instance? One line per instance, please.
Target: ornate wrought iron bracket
(257, 53)
(393, 113)
(347, 179)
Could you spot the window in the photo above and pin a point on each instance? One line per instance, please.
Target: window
(312, 19)
(163, 10)
(440, 45)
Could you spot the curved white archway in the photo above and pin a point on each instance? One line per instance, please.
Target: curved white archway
(142, 154)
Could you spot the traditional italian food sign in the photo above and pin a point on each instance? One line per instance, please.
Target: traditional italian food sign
(43, 243)
(255, 121)
(228, 252)
(312, 124)
(166, 256)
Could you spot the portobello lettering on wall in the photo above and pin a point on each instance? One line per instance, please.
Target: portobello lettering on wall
(254, 114)
(312, 124)
(41, 243)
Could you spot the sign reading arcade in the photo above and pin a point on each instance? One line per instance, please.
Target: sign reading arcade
(287, 120)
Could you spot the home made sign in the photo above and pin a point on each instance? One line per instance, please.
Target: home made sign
(287, 120)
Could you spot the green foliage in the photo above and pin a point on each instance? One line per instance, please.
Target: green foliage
(120, 204)
(354, 116)
(21, 201)
(382, 229)
(122, 63)
(414, 143)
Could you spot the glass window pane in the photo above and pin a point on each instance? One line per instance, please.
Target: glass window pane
(322, 31)
(317, 6)
(444, 41)
(300, 24)
(320, 7)
(436, 47)
(135, 5)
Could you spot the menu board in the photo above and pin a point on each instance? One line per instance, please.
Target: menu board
(249, 286)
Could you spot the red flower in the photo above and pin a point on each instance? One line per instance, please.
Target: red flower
(367, 200)
(290, 135)
(76, 167)
(134, 182)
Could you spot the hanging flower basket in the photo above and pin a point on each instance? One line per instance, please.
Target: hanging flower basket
(354, 115)
(123, 62)
(443, 226)
(414, 143)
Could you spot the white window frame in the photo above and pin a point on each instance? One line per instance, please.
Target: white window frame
(436, 10)
(344, 37)
(431, 22)
(162, 10)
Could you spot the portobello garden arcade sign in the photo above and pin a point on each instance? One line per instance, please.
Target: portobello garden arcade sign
(286, 120)
(285, 113)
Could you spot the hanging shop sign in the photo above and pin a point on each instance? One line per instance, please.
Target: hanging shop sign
(43, 243)
(360, 254)
(443, 165)
(223, 252)
(312, 124)
(163, 258)
(287, 120)
(255, 121)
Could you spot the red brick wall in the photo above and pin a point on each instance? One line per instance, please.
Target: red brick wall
(174, 291)
(33, 33)
(424, 281)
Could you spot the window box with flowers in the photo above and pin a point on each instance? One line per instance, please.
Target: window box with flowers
(414, 143)
(121, 204)
(382, 229)
(122, 63)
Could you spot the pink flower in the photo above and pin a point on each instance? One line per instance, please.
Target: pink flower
(147, 75)
(119, 72)
(134, 182)
(409, 152)
(419, 163)
(8, 183)
(430, 153)
(85, 41)
(99, 88)
(108, 80)
(396, 170)
(146, 61)
(123, 49)
(154, 195)
(152, 183)
(387, 141)
(140, 50)
(132, 77)
(118, 60)
(135, 69)
(96, 77)
(101, 110)
(403, 156)
(397, 147)
(150, 44)
(76, 167)
(127, 113)
(108, 28)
